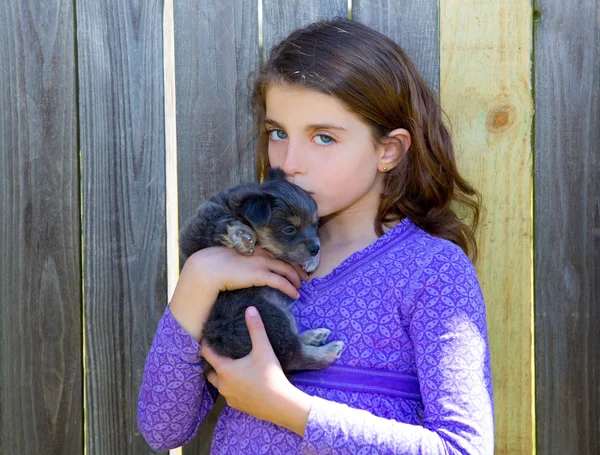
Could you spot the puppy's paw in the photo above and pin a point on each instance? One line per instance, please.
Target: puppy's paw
(315, 337)
(334, 350)
(242, 238)
(316, 357)
(329, 353)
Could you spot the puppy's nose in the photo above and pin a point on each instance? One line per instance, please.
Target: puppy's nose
(314, 249)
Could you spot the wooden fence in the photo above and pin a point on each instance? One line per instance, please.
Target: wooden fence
(90, 199)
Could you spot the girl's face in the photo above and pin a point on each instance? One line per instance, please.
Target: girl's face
(323, 148)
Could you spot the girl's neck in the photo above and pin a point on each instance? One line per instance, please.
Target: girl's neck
(354, 225)
(349, 228)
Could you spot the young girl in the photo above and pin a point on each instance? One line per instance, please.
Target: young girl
(344, 112)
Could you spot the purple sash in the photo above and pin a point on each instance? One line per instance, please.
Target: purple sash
(354, 379)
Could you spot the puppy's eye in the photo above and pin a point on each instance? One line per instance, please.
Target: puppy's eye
(290, 230)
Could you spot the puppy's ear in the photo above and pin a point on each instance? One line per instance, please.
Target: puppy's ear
(276, 173)
(257, 209)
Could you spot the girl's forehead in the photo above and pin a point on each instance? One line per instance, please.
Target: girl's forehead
(294, 103)
(297, 94)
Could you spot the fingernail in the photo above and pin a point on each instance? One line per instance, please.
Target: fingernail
(252, 311)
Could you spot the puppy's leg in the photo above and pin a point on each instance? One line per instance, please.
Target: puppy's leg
(241, 237)
(315, 337)
(213, 225)
(316, 357)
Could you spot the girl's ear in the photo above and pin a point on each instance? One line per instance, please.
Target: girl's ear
(395, 146)
(257, 209)
(276, 173)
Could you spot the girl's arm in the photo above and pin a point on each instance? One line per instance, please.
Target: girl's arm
(449, 334)
(175, 396)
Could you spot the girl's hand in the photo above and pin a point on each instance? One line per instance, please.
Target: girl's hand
(227, 270)
(256, 384)
(215, 269)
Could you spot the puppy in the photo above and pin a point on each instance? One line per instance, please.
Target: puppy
(282, 218)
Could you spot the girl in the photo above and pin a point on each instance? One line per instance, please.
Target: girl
(345, 113)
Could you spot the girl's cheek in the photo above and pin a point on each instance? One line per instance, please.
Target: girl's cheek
(275, 157)
(321, 210)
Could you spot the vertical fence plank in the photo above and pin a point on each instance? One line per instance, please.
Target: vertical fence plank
(485, 84)
(567, 226)
(216, 47)
(123, 201)
(41, 407)
(279, 19)
(413, 24)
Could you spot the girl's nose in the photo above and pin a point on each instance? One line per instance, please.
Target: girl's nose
(293, 161)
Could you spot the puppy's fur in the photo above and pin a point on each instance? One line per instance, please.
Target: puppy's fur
(282, 218)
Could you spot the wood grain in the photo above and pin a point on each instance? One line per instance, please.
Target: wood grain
(41, 406)
(567, 226)
(123, 202)
(413, 24)
(279, 19)
(485, 86)
(216, 47)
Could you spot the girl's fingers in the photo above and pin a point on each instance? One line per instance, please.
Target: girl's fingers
(301, 272)
(286, 270)
(276, 281)
(275, 267)
(212, 377)
(211, 356)
(293, 272)
(259, 251)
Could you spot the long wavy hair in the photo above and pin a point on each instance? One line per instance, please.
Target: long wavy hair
(373, 77)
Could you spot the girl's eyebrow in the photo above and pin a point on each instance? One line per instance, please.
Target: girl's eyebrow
(319, 126)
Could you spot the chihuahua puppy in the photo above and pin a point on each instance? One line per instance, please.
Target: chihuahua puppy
(282, 218)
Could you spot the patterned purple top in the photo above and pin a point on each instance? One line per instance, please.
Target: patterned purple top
(414, 376)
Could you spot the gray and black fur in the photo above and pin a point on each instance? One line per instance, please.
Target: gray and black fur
(282, 218)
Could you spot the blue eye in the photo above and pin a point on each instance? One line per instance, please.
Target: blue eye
(280, 135)
(329, 139)
(277, 134)
(290, 230)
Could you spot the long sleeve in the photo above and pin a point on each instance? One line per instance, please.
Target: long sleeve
(447, 326)
(174, 396)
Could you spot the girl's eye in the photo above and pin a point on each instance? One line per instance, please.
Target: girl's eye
(290, 230)
(277, 136)
(327, 139)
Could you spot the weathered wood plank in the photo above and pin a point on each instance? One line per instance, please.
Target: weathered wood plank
(485, 86)
(567, 226)
(413, 24)
(41, 409)
(123, 201)
(279, 19)
(216, 47)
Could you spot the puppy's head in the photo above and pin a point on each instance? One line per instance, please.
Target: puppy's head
(284, 217)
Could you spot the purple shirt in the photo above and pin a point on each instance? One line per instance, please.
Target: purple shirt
(414, 376)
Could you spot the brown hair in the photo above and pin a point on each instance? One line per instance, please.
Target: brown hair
(374, 78)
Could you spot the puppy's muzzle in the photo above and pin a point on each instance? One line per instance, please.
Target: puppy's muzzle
(314, 249)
